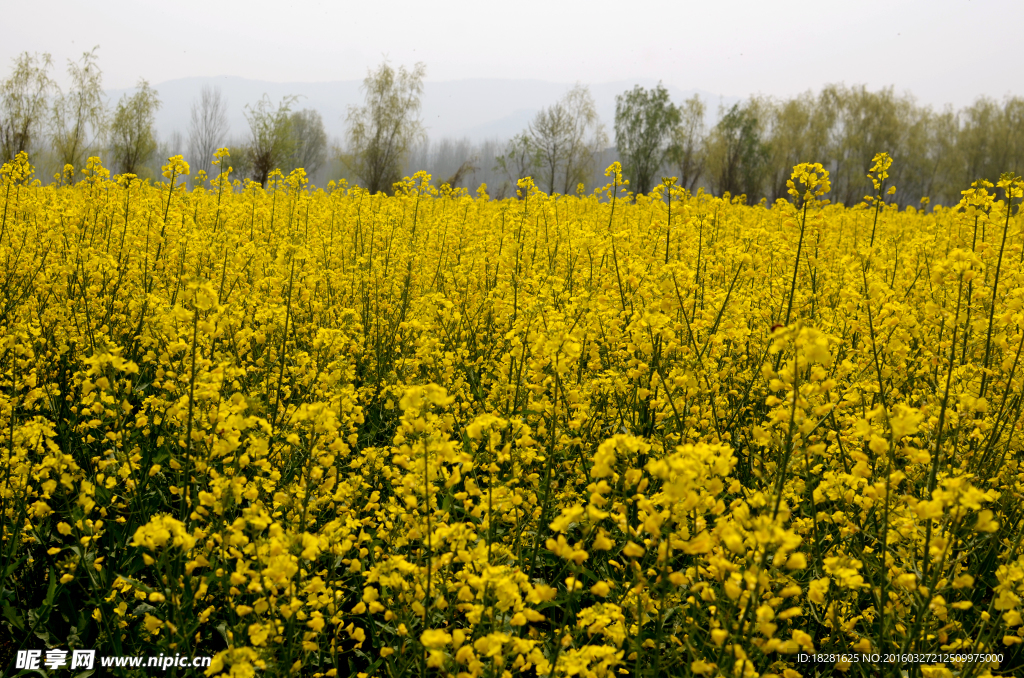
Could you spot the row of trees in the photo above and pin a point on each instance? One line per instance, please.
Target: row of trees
(75, 123)
(32, 105)
(749, 151)
(380, 136)
(754, 145)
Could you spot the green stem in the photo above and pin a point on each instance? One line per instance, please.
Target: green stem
(942, 419)
(796, 265)
(191, 405)
(992, 306)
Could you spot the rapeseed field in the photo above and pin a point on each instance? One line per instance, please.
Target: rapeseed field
(328, 433)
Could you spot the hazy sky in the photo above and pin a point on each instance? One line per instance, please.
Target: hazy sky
(943, 51)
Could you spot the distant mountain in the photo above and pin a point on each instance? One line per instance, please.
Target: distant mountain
(476, 109)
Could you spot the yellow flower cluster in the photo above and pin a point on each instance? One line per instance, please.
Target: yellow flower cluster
(326, 433)
(162, 531)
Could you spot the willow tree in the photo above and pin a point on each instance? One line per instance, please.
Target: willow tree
(308, 141)
(23, 103)
(270, 136)
(132, 131)
(737, 152)
(644, 125)
(687, 152)
(383, 130)
(79, 114)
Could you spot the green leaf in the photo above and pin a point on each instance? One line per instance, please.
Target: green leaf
(137, 584)
(466, 447)
(363, 655)
(26, 672)
(52, 588)
(13, 566)
(73, 638)
(102, 495)
(223, 630)
(12, 616)
(41, 632)
(143, 608)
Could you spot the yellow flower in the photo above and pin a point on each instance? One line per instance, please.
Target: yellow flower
(175, 167)
(702, 667)
(986, 522)
(310, 406)
(152, 624)
(162, 530)
(812, 178)
(633, 550)
(602, 542)
(816, 590)
(258, 634)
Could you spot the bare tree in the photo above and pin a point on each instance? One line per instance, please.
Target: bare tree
(381, 133)
(132, 133)
(567, 136)
(80, 114)
(549, 135)
(587, 137)
(23, 103)
(208, 127)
